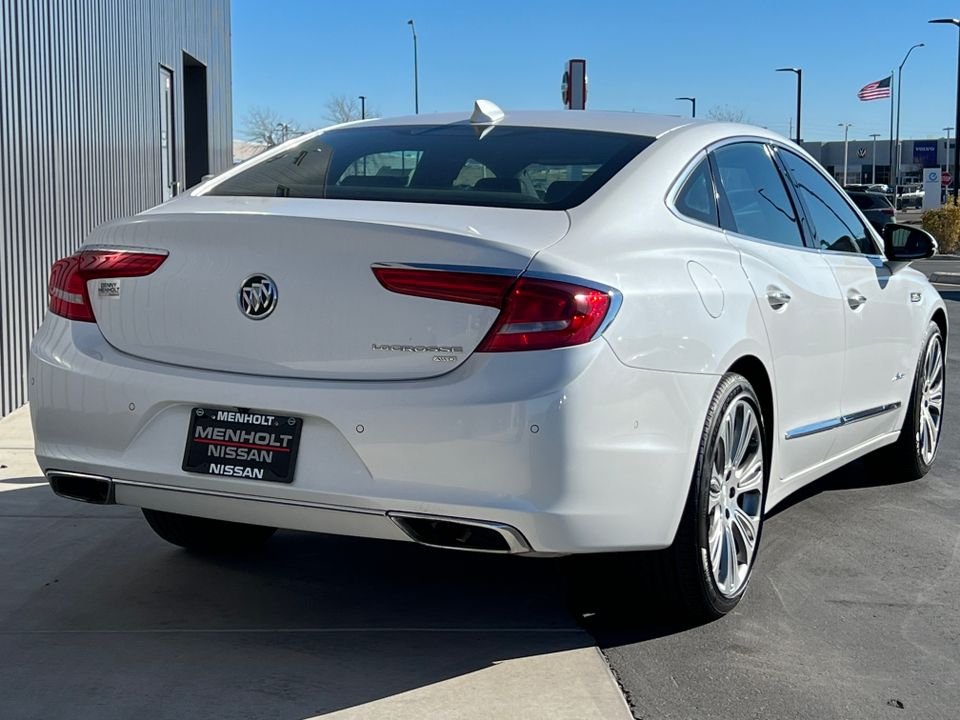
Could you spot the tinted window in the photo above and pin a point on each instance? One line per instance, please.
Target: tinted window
(864, 201)
(754, 190)
(697, 199)
(835, 224)
(540, 168)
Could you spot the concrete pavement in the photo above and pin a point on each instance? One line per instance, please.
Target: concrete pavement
(101, 619)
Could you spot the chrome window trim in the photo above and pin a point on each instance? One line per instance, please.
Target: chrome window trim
(832, 423)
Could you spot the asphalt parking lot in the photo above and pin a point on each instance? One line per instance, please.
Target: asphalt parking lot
(852, 613)
(853, 610)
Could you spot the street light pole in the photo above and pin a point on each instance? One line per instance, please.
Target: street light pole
(693, 100)
(873, 172)
(799, 73)
(896, 179)
(416, 70)
(846, 129)
(956, 151)
(363, 107)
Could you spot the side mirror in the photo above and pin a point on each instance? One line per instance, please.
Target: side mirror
(905, 243)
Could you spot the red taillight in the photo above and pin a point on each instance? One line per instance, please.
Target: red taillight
(535, 313)
(68, 277)
(545, 314)
(887, 211)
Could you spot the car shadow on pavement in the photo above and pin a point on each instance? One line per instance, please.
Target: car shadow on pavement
(107, 620)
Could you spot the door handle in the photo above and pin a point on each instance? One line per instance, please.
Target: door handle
(777, 298)
(855, 299)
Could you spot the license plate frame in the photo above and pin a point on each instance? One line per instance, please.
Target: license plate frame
(242, 444)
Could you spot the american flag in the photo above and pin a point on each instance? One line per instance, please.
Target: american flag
(875, 90)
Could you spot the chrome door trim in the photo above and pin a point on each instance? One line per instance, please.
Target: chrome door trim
(832, 423)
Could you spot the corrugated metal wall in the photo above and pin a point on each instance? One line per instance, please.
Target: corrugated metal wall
(79, 135)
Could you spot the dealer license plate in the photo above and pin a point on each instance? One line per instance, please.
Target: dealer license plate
(247, 444)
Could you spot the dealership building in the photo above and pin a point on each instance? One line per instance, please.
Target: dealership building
(107, 107)
(915, 155)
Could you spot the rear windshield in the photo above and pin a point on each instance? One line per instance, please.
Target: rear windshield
(869, 201)
(522, 167)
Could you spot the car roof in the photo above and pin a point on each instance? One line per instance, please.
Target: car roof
(633, 123)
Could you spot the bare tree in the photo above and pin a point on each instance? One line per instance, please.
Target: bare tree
(725, 113)
(343, 108)
(265, 126)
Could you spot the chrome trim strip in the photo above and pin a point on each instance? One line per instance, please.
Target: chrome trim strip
(864, 414)
(450, 268)
(516, 542)
(832, 423)
(124, 249)
(813, 428)
(253, 498)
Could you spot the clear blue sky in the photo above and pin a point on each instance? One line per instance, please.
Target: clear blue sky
(292, 55)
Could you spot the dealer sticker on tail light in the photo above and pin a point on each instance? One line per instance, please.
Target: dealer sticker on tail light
(244, 444)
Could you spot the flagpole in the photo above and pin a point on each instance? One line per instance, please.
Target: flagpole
(890, 174)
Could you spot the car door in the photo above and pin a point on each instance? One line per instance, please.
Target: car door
(881, 353)
(798, 297)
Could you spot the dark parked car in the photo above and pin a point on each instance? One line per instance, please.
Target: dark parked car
(876, 206)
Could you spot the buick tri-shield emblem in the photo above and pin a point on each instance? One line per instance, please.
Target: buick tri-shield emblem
(257, 297)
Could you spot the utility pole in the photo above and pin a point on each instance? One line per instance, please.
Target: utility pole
(846, 129)
(873, 172)
(363, 107)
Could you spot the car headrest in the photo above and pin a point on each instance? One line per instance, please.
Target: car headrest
(511, 185)
(559, 189)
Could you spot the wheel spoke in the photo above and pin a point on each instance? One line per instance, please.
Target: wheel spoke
(747, 428)
(731, 575)
(751, 477)
(747, 529)
(727, 434)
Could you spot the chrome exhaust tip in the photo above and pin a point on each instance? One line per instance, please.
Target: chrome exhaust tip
(94, 489)
(461, 534)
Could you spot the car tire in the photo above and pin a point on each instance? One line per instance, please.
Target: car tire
(912, 455)
(707, 580)
(205, 535)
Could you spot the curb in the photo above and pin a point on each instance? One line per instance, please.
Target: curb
(945, 278)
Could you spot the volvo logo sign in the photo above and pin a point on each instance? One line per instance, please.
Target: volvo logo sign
(257, 297)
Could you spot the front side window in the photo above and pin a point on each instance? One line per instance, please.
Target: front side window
(696, 198)
(756, 195)
(503, 166)
(836, 225)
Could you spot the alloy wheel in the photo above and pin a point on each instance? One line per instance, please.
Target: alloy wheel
(931, 400)
(735, 496)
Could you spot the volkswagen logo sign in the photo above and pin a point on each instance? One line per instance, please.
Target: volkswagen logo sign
(257, 297)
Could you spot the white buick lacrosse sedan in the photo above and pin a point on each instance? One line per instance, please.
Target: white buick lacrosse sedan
(527, 332)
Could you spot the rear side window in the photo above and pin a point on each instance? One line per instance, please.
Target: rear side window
(754, 190)
(696, 198)
(459, 164)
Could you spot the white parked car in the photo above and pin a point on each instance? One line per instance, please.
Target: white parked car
(540, 333)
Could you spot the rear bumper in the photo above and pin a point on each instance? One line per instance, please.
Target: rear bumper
(575, 450)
